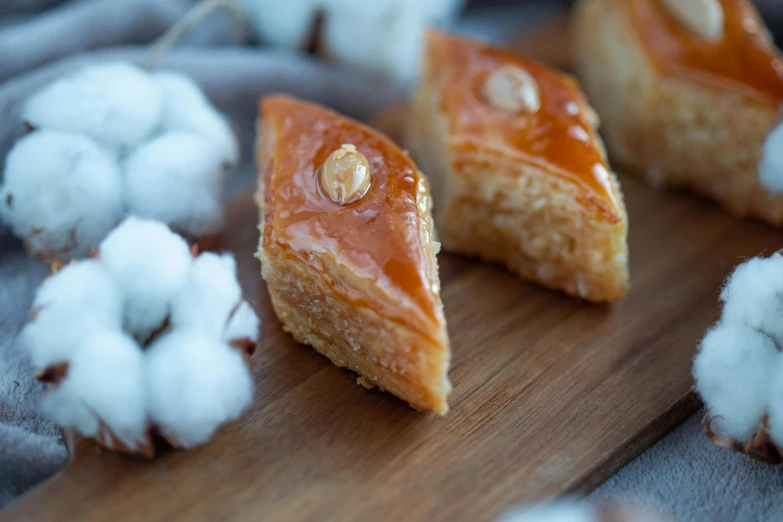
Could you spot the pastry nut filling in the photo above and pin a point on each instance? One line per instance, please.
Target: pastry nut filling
(345, 176)
(701, 17)
(512, 89)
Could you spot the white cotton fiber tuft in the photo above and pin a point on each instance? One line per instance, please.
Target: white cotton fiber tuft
(116, 104)
(208, 296)
(283, 24)
(150, 264)
(561, 511)
(775, 407)
(195, 383)
(186, 109)
(177, 178)
(243, 324)
(771, 164)
(382, 36)
(61, 192)
(69, 306)
(753, 295)
(733, 371)
(104, 381)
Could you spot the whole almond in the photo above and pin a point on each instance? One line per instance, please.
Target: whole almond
(512, 89)
(702, 17)
(345, 176)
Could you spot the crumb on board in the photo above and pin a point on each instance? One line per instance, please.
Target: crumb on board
(361, 381)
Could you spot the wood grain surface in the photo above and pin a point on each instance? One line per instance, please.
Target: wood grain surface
(551, 395)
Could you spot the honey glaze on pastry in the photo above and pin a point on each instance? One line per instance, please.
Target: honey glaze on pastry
(347, 249)
(308, 220)
(558, 136)
(729, 50)
(518, 173)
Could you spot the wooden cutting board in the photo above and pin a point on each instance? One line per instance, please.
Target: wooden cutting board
(551, 395)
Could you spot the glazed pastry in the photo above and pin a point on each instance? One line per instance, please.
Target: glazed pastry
(347, 249)
(689, 92)
(518, 173)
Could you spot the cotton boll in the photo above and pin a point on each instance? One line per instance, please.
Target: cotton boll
(195, 383)
(176, 178)
(771, 164)
(753, 295)
(103, 382)
(243, 324)
(186, 109)
(80, 299)
(116, 104)
(61, 192)
(733, 372)
(208, 296)
(562, 511)
(384, 36)
(286, 24)
(85, 285)
(55, 334)
(150, 264)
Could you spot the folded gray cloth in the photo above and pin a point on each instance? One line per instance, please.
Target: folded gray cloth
(79, 26)
(30, 449)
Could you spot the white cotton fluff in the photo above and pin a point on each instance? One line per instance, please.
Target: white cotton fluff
(104, 381)
(286, 24)
(753, 295)
(379, 35)
(771, 164)
(186, 109)
(61, 192)
(208, 295)
(243, 324)
(176, 178)
(195, 383)
(561, 511)
(70, 305)
(385, 37)
(733, 371)
(150, 264)
(775, 407)
(116, 104)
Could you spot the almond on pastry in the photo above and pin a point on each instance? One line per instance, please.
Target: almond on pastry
(518, 172)
(347, 249)
(689, 92)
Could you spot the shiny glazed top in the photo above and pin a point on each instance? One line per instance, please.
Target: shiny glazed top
(744, 60)
(379, 236)
(558, 138)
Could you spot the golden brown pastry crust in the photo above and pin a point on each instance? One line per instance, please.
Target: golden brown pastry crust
(679, 110)
(532, 191)
(358, 282)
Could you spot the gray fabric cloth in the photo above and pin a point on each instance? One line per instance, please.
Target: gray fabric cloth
(683, 475)
(78, 26)
(30, 449)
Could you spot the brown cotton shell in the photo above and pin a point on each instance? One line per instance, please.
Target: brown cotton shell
(760, 447)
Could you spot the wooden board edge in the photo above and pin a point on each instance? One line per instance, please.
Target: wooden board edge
(655, 430)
